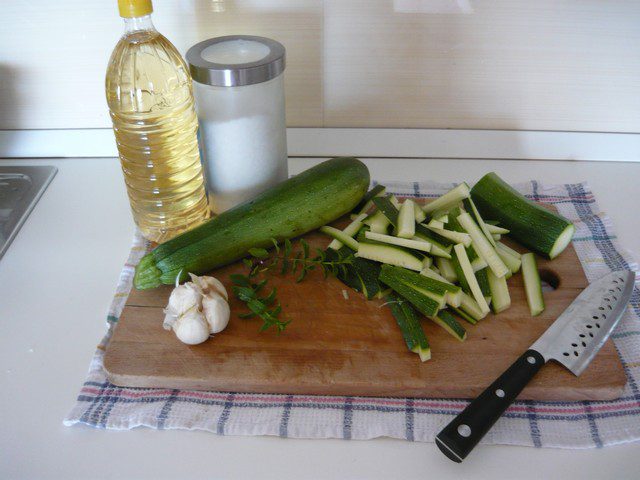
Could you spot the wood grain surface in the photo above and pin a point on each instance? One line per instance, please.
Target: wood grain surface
(338, 346)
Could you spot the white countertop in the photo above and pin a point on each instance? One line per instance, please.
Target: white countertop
(57, 280)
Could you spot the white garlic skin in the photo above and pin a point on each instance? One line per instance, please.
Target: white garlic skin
(169, 319)
(216, 311)
(183, 298)
(191, 328)
(197, 309)
(210, 284)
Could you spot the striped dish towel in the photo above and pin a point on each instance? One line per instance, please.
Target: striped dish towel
(540, 424)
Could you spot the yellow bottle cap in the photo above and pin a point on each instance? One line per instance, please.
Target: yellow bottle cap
(134, 8)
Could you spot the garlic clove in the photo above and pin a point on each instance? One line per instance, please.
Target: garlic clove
(216, 312)
(191, 328)
(208, 284)
(184, 298)
(169, 320)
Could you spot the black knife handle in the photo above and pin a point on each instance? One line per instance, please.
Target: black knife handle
(457, 439)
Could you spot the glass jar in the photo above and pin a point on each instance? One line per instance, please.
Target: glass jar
(239, 92)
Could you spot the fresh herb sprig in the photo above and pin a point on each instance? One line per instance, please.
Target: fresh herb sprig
(285, 258)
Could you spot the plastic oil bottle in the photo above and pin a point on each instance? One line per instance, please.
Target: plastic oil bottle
(150, 98)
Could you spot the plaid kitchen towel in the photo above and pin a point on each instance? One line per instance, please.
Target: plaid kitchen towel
(540, 424)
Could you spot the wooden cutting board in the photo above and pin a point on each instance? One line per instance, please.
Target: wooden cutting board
(338, 346)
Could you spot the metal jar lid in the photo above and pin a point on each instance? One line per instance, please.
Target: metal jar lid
(236, 74)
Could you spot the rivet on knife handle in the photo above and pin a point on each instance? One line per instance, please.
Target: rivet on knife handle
(458, 438)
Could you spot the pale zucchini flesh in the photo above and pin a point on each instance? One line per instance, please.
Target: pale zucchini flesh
(453, 299)
(451, 198)
(421, 245)
(532, 284)
(339, 235)
(562, 241)
(500, 298)
(389, 254)
(350, 231)
(440, 252)
(475, 214)
(482, 246)
(423, 231)
(407, 220)
(446, 269)
(458, 237)
(378, 222)
(478, 263)
(441, 213)
(507, 249)
(450, 297)
(496, 229)
(512, 263)
(471, 307)
(429, 272)
(419, 214)
(435, 224)
(470, 277)
(423, 353)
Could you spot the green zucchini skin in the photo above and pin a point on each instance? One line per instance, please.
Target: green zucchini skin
(450, 324)
(407, 318)
(423, 303)
(483, 281)
(387, 208)
(359, 274)
(533, 226)
(298, 205)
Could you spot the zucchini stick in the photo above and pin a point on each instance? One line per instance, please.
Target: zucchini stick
(470, 277)
(450, 198)
(482, 245)
(532, 284)
(407, 220)
(409, 324)
(349, 231)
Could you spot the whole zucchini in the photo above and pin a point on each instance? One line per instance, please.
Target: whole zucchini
(533, 226)
(302, 203)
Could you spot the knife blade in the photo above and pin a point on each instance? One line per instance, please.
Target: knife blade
(572, 340)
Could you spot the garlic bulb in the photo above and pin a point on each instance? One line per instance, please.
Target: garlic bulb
(216, 311)
(208, 284)
(191, 328)
(197, 309)
(182, 299)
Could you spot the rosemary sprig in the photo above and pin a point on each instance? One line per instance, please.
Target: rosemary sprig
(285, 258)
(266, 307)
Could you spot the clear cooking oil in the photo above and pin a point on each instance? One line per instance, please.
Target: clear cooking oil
(150, 99)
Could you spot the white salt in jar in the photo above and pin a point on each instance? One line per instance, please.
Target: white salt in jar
(239, 91)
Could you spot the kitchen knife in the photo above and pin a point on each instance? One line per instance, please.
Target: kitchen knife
(572, 340)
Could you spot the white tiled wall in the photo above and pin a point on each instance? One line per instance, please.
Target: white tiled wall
(534, 65)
